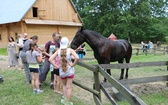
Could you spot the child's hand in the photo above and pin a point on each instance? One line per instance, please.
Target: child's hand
(71, 64)
(57, 66)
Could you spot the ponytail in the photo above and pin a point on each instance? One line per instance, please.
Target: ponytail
(64, 60)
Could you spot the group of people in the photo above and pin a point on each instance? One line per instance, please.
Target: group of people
(148, 45)
(58, 60)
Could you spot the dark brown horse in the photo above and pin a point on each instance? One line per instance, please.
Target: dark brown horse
(105, 50)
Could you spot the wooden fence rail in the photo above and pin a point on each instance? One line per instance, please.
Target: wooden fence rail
(131, 98)
(134, 65)
(163, 50)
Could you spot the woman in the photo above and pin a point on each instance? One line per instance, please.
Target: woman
(12, 52)
(66, 68)
(34, 57)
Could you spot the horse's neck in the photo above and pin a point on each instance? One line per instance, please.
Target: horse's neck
(93, 41)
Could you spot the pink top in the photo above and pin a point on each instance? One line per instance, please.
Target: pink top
(57, 61)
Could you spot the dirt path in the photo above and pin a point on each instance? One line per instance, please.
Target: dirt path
(4, 63)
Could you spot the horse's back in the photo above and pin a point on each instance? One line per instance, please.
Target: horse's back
(123, 49)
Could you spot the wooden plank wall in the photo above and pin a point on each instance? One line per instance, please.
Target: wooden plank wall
(43, 31)
(68, 31)
(7, 31)
(60, 10)
(4, 36)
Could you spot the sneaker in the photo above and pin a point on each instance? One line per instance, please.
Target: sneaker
(64, 101)
(68, 103)
(34, 91)
(40, 86)
(52, 86)
(39, 91)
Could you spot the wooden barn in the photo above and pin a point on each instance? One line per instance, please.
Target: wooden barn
(37, 17)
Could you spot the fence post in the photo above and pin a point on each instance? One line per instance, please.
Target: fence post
(154, 50)
(96, 84)
(137, 51)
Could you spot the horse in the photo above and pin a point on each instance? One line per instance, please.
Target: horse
(105, 50)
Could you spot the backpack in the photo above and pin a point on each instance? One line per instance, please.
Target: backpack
(1, 79)
(49, 43)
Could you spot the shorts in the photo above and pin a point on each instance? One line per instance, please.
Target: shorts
(35, 70)
(56, 71)
(71, 77)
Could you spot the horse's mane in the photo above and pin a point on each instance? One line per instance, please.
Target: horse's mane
(96, 34)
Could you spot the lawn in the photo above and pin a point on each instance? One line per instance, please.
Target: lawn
(14, 90)
(3, 51)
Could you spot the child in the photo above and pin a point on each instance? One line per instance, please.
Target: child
(57, 78)
(66, 68)
(34, 57)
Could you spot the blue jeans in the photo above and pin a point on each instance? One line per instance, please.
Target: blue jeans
(45, 71)
(25, 66)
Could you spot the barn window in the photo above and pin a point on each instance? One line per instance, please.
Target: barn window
(35, 12)
(16, 35)
(0, 37)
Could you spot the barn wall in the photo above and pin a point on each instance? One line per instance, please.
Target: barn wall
(45, 31)
(68, 31)
(7, 31)
(4, 35)
(60, 10)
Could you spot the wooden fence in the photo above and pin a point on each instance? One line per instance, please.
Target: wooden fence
(119, 85)
(155, 50)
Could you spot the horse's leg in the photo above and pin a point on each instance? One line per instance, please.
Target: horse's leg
(127, 61)
(122, 70)
(108, 71)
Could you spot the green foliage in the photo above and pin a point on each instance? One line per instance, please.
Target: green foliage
(135, 20)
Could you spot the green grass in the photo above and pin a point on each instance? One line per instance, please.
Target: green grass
(15, 91)
(152, 99)
(3, 51)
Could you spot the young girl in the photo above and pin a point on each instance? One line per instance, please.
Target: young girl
(34, 57)
(66, 68)
(57, 78)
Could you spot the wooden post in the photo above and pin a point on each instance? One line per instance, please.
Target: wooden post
(137, 51)
(154, 50)
(96, 84)
(164, 50)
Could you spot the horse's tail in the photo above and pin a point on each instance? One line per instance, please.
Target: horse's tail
(129, 51)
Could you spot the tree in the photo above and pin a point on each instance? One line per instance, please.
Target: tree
(136, 20)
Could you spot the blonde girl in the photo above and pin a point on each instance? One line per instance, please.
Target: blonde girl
(66, 68)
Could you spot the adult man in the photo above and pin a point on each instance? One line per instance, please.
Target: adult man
(22, 40)
(23, 57)
(49, 48)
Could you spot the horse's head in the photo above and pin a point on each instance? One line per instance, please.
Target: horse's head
(78, 39)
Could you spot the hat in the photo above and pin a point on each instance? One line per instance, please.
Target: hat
(64, 43)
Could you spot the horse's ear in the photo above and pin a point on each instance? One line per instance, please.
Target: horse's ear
(81, 29)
